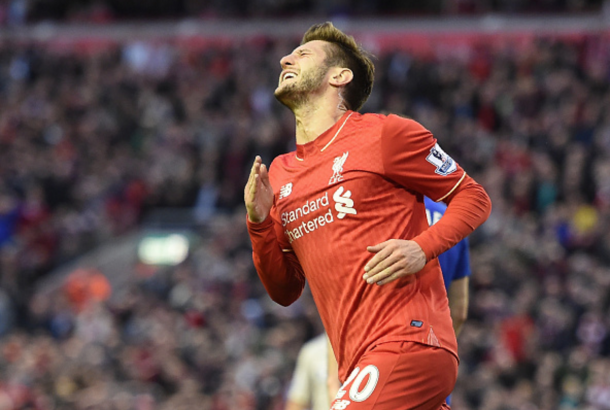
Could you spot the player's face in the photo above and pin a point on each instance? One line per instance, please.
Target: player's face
(303, 72)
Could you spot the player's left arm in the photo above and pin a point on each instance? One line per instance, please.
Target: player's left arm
(413, 159)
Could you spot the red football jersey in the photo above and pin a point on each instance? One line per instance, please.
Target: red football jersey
(358, 184)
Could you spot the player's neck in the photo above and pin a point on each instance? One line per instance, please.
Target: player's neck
(313, 119)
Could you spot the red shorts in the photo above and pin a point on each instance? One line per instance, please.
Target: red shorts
(399, 376)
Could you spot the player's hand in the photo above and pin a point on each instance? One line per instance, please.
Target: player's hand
(393, 259)
(258, 194)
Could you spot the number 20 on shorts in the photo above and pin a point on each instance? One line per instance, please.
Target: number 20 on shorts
(356, 393)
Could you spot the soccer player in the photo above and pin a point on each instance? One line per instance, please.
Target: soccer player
(315, 378)
(346, 211)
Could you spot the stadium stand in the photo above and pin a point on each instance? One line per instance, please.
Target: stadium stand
(109, 146)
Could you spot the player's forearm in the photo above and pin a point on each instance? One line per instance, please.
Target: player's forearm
(468, 207)
(457, 325)
(459, 314)
(281, 276)
(458, 302)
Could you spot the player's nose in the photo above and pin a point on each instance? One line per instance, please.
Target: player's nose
(287, 61)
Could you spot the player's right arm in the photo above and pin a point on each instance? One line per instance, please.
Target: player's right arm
(280, 271)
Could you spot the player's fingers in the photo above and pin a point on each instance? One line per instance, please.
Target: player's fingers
(378, 247)
(379, 256)
(253, 172)
(264, 176)
(385, 263)
(255, 165)
(390, 278)
(251, 186)
(383, 275)
(380, 261)
(255, 176)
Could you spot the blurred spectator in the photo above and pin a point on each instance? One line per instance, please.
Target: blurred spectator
(103, 11)
(84, 287)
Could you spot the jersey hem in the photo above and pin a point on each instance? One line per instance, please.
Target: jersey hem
(390, 339)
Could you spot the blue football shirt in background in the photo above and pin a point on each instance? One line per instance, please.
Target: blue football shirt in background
(455, 262)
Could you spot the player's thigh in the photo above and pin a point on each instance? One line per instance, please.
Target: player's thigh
(399, 376)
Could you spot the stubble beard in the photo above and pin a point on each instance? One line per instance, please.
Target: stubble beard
(298, 94)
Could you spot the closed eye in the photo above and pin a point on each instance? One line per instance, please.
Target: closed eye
(303, 52)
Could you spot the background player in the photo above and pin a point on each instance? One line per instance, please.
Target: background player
(309, 385)
(313, 385)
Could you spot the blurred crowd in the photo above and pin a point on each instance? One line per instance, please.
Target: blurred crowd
(17, 12)
(92, 141)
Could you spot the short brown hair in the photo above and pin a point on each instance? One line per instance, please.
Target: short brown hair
(345, 52)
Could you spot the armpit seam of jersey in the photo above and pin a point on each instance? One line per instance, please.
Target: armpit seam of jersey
(337, 133)
(452, 189)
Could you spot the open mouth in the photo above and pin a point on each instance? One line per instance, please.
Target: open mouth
(288, 75)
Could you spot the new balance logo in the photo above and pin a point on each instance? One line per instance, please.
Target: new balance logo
(343, 203)
(286, 190)
(338, 169)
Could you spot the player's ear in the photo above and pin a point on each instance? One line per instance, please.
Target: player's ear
(340, 76)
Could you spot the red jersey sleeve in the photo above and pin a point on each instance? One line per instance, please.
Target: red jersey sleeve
(412, 158)
(275, 262)
(468, 207)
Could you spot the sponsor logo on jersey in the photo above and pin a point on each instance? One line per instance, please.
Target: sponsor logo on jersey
(286, 190)
(316, 213)
(305, 209)
(338, 168)
(444, 164)
(343, 203)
